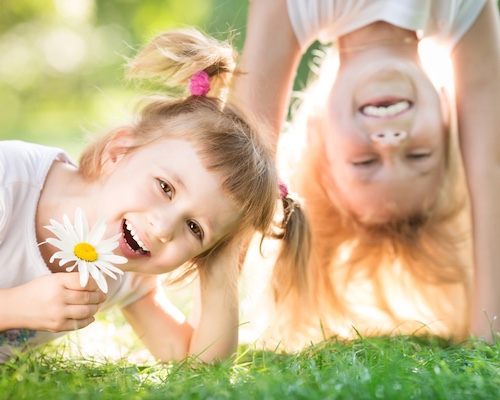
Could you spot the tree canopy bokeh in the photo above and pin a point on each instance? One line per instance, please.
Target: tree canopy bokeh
(61, 64)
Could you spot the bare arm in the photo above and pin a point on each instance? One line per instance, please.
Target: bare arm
(477, 74)
(53, 303)
(212, 335)
(269, 62)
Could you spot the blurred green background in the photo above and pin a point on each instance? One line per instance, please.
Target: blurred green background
(61, 61)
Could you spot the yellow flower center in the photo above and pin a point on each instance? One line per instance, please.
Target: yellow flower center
(86, 252)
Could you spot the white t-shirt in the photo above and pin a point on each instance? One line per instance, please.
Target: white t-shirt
(442, 21)
(23, 170)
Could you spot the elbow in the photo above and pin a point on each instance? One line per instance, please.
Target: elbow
(190, 349)
(213, 356)
(220, 349)
(173, 348)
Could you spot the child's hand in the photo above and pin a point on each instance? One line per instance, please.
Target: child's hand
(53, 303)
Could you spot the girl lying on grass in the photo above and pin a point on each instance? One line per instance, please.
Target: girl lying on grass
(180, 189)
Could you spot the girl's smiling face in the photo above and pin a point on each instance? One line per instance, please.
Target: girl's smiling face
(386, 139)
(164, 202)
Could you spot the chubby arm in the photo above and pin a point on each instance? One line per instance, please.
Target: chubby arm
(270, 58)
(212, 335)
(476, 62)
(53, 303)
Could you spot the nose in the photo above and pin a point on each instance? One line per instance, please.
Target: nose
(388, 137)
(163, 226)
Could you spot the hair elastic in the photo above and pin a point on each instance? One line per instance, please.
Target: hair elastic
(283, 189)
(199, 84)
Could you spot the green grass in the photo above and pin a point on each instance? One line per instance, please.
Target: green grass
(402, 367)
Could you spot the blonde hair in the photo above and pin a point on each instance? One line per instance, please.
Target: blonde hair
(228, 140)
(427, 255)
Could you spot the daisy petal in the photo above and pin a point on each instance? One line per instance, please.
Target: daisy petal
(56, 226)
(66, 260)
(106, 271)
(70, 269)
(103, 248)
(84, 272)
(112, 258)
(103, 285)
(55, 242)
(59, 254)
(70, 230)
(99, 278)
(105, 266)
(60, 231)
(97, 231)
(108, 245)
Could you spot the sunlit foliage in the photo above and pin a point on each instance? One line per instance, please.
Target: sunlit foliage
(61, 63)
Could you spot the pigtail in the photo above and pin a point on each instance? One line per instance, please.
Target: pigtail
(182, 58)
(290, 270)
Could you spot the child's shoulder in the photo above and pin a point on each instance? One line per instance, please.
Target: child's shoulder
(21, 160)
(15, 149)
(18, 146)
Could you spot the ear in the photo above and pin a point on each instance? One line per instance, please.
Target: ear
(116, 149)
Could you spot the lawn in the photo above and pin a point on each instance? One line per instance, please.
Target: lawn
(106, 360)
(403, 367)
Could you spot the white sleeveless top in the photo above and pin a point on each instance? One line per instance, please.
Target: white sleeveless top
(443, 21)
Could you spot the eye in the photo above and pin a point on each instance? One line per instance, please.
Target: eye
(195, 228)
(417, 156)
(364, 163)
(166, 188)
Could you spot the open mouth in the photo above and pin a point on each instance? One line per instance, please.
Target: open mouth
(384, 109)
(132, 239)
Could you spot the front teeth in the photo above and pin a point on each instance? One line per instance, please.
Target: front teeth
(389, 111)
(132, 231)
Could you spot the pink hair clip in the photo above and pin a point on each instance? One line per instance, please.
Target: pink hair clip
(283, 189)
(199, 84)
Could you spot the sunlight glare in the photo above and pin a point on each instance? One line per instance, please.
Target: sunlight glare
(75, 10)
(64, 49)
(437, 63)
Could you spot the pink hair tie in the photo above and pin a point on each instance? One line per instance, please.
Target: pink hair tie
(283, 189)
(199, 84)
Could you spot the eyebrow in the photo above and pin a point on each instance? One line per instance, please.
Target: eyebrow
(175, 178)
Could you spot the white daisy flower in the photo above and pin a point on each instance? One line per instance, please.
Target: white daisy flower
(85, 249)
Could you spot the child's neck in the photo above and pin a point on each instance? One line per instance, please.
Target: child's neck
(376, 37)
(64, 190)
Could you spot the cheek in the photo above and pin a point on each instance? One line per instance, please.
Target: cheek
(433, 135)
(338, 153)
(434, 118)
(176, 255)
(120, 194)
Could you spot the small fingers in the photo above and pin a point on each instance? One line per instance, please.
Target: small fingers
(79, 297)
(75, 324)
(82, 323)
(72, 281)
(81, 312)
(91, 285)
